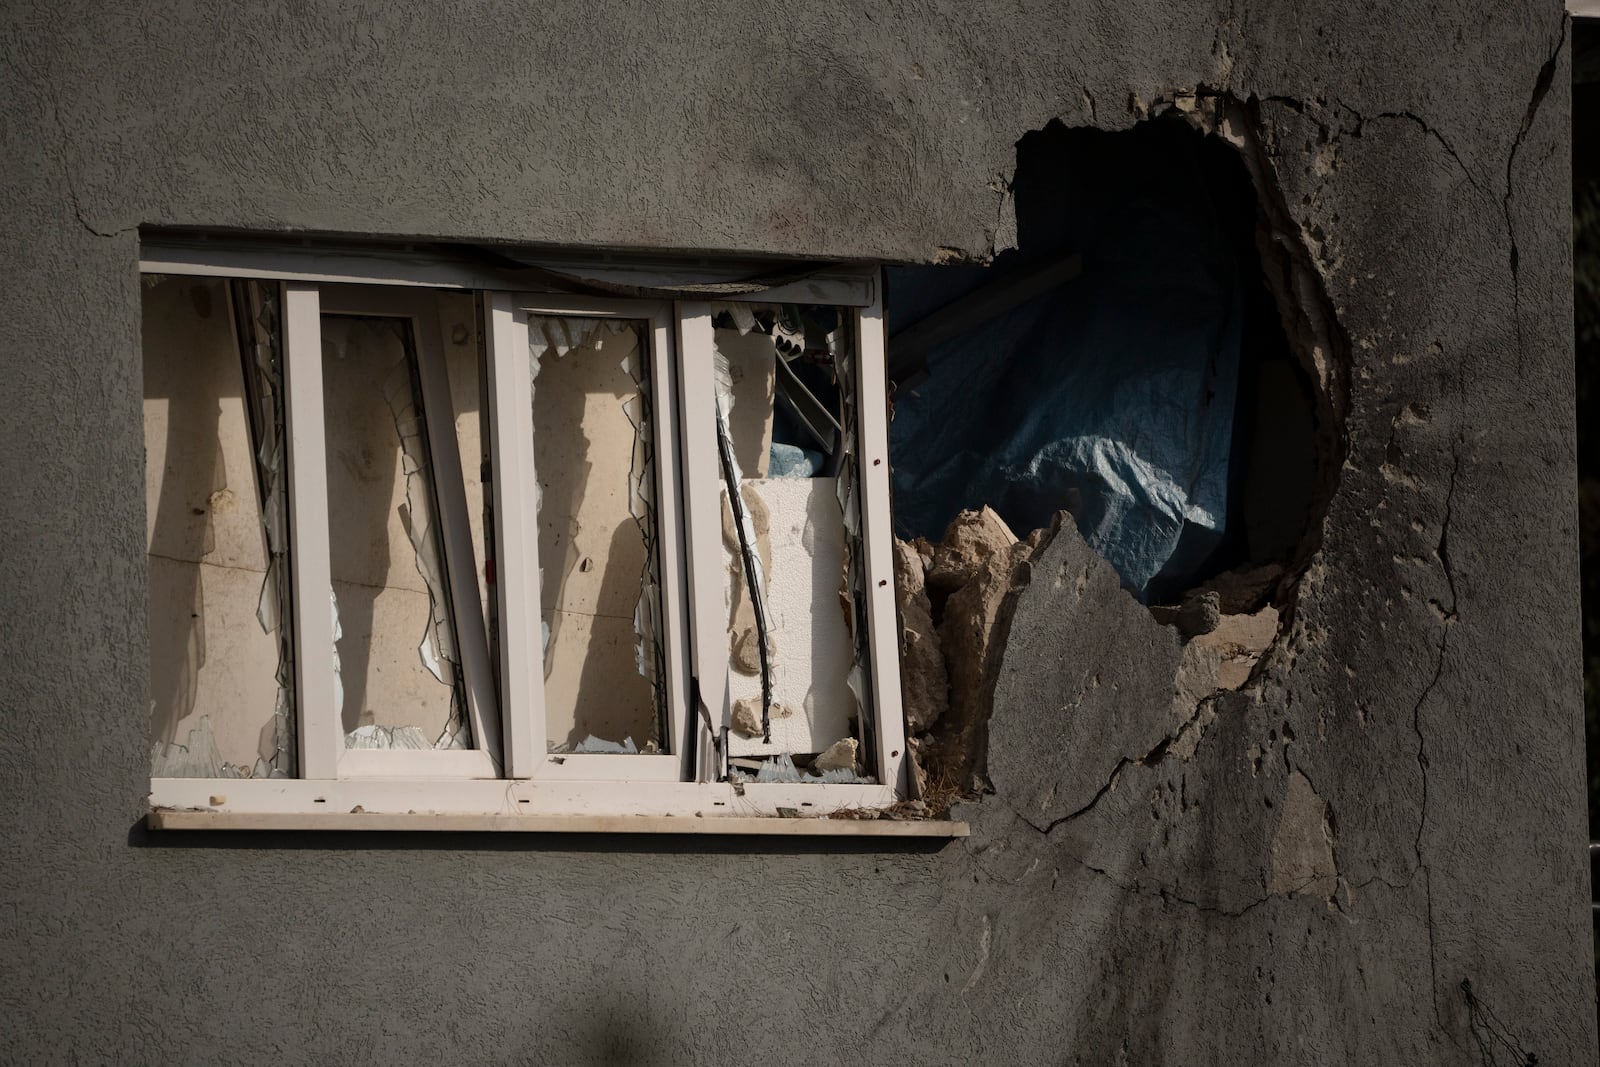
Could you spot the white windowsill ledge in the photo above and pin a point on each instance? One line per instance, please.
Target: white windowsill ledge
(765, 826)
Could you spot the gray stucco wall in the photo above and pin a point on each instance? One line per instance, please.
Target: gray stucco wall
(1431, 684)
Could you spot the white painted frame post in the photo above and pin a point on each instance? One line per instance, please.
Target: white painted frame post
(702, 496)
(320, 731)
(877, 539)
(516, 533)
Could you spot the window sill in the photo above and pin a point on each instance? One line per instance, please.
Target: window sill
(765, 826)
(548, 806)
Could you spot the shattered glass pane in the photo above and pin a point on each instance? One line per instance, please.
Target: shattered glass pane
(221, 679)
(791, 538)
(600, 599)
(395, 645)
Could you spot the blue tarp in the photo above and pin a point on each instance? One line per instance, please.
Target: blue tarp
(1114, 393)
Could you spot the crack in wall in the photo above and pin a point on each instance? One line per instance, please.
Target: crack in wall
(1155, 756)
(1169, 896)
(1442, 551)
(66, 176)
(1303, 107)
(1541, 87)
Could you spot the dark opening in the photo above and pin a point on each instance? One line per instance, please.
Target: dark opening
(1126, 362)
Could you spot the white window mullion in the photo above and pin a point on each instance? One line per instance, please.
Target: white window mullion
(670, 540)
(321, 733)
(516, 534)
(877, 538)
(483, 708)
(702, 489)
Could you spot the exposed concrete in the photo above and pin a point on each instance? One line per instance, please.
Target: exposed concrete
(1425, 684)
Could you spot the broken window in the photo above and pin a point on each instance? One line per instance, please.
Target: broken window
(518, 552)
(600, 587)
(221, 667)
(785, 409)
(397, 666)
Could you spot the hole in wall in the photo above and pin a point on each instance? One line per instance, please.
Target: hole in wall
(1154, 360)
(1126, 361)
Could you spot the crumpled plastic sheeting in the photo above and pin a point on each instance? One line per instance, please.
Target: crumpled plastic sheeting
(792, 461)
(1117, 388)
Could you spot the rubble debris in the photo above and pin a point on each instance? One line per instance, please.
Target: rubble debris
(1200, 613)
(746, 722)
(1240, 641)
(745, 654)
(972, 538)
(924, 683)
(974, 623)
(1242, 590)
(746, 718)
(839, 756)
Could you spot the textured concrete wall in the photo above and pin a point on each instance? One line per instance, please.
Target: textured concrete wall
(1430, 682)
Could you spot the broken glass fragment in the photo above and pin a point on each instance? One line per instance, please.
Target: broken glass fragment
(791, 529)
(221, 658)
(396, 648)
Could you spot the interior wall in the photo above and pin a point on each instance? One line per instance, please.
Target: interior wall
(1427, 694)
(209, 657)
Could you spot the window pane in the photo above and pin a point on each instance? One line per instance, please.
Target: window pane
(397, 660)
(594, 447)
(796, 633)
(220, 677)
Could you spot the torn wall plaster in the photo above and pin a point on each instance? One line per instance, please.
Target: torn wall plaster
(743, 633)
(974, 618)
(385, 559)
(812, 650)
(971, 540)
(924, 682)
(750, 361)
(207, 557)
(598, 595)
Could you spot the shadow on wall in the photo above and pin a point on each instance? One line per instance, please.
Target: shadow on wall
(1125, 361)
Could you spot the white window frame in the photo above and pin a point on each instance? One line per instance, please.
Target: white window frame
(510, 780)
